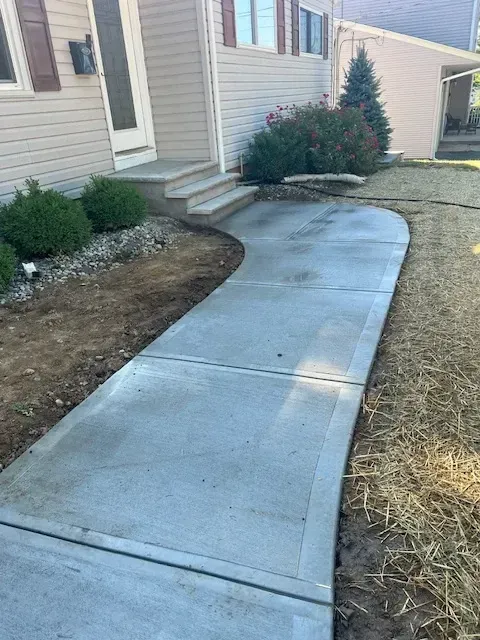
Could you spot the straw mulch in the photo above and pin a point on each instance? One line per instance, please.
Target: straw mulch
(416, 466)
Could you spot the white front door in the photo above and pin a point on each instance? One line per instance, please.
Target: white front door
(116, 35)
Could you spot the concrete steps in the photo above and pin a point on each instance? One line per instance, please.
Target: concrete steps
(195, 193)
(191, 191)
(212, 211)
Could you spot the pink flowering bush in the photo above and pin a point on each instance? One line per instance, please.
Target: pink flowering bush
(313, 138)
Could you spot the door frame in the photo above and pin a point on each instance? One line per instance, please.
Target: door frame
(125, 160)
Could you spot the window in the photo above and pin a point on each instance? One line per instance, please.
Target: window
(7, 74)
(14, 76)
(310, 32)
(255, 21)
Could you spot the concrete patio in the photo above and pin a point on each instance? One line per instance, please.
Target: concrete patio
(196, 493)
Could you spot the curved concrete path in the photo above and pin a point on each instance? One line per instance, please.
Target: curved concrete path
(196, 493)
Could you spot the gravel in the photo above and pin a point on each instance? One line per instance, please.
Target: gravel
(105, 251)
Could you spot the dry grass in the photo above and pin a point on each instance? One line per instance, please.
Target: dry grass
(415, 466)
(469, 165)
(428, 181)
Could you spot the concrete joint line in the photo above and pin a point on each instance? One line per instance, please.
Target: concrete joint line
(267, 371)
(291, 587)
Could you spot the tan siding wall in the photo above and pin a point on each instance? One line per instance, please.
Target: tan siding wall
(253, 82)
(173, 51)
(58, 137)
(410, 82)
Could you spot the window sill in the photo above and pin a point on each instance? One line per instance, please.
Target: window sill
(17, 94)
(257, 47)
(316, 56)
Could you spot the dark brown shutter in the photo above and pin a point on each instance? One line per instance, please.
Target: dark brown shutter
(325, 35)
(281, 35)
(229, 29)
(295, 28)
(38, 44)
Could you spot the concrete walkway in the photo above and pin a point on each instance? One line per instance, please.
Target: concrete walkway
(196, 493)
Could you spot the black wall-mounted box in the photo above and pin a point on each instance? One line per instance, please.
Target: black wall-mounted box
(82, 57)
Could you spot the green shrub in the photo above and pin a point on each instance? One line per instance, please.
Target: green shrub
(276, 153)
(113, 204)
(7, 266)
(313, 139)
(42, 223)
(343, 143)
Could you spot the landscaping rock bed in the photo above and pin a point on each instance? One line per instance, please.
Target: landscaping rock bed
(104, 252)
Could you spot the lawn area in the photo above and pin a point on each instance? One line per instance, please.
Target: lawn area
(59, 346)
(409, 544)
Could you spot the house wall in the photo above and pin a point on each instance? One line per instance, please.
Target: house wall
(253, 81)
(410, 79)
(444, 21)
(172, 38)
(458, 106)
(58, 137)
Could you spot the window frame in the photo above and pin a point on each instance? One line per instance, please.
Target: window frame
(254, 45)
(308, 9)
(22, 87)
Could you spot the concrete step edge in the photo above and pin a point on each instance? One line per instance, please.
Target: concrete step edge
(217, 204)
(201, 186)
(170, 176)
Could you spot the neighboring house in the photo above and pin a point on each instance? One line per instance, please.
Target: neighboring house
(178, 80)
(452, 23)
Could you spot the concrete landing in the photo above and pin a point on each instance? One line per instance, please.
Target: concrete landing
(198, 489)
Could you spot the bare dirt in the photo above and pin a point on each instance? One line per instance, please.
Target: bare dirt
(369, 605)
(60, 346)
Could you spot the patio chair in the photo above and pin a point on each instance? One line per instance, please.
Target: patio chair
(453, 124)
(470, 127)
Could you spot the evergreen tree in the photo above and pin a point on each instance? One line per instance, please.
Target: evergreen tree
(362, 90)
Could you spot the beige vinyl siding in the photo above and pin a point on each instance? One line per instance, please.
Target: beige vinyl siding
(173, 51)
(58, 137)
(253, 81)
(410, 77)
